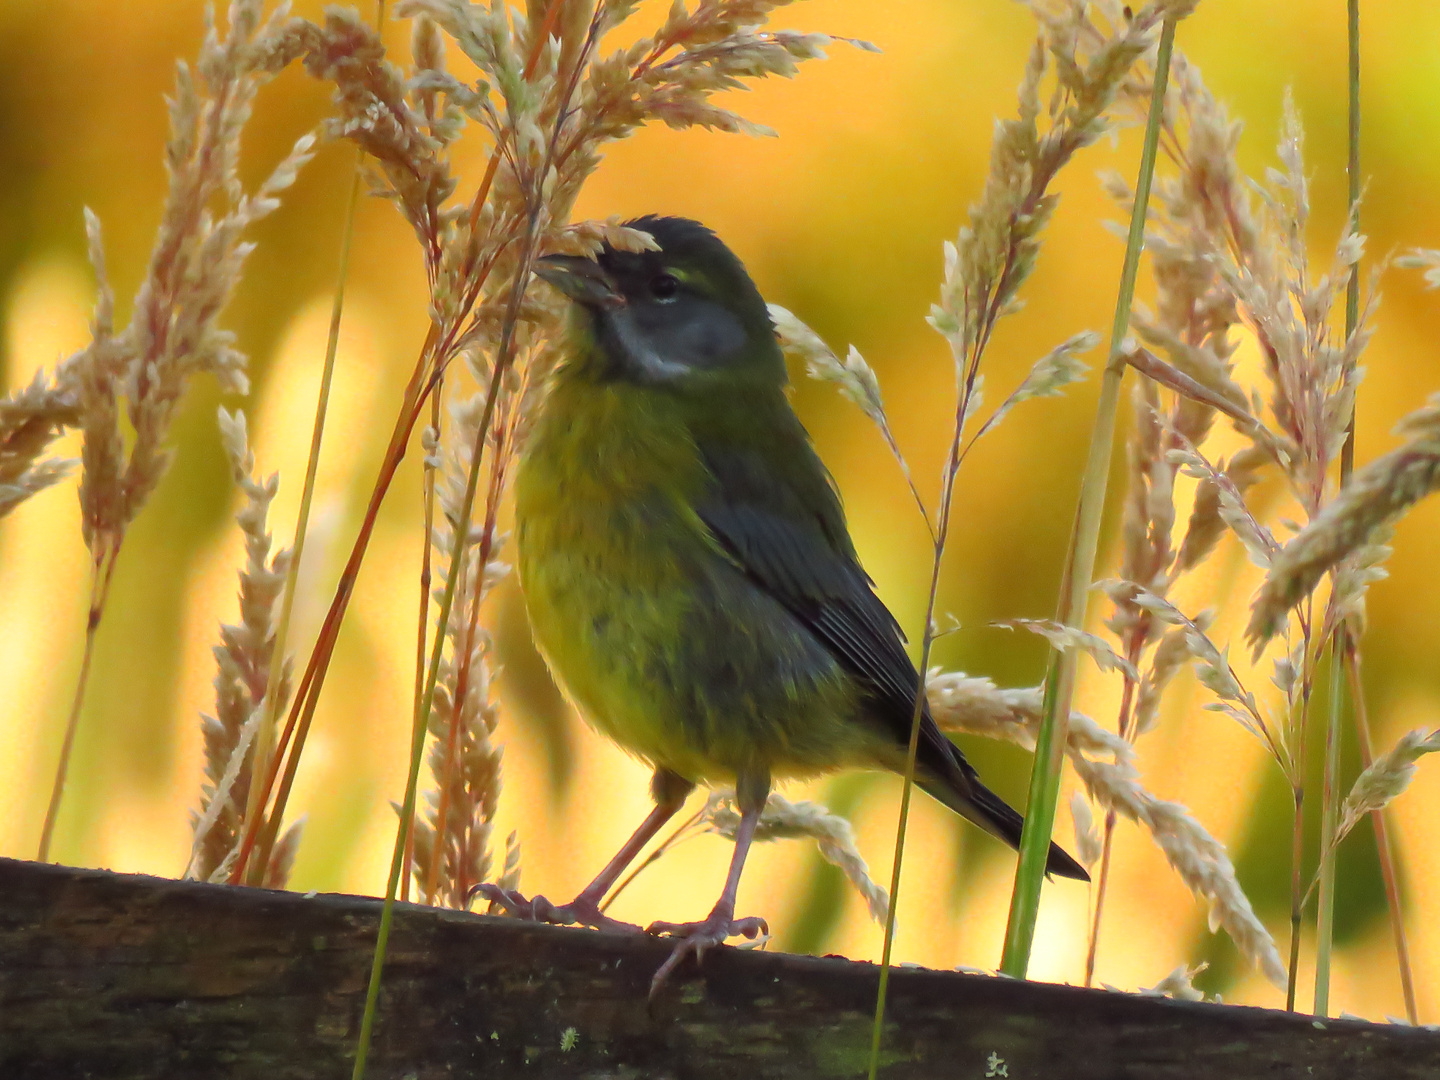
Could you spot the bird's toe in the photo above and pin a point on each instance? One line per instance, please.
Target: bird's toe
(697, 937)
(582, 911)
(750, 927)
(509, 901)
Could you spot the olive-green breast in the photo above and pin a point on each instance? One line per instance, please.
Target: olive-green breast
(658, 636)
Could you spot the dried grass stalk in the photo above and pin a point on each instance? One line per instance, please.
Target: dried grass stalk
(30, 420)
(1178, 984)
(1048, 377)
(976, 706)
(995, 252)
(1063, 637)
(1387, 778)
(992, 257)
(243, 664)
(1199, 859)
(194, 268)
(1352, 528)
(1244, 264)
(852, 376)
(1231, 252)
(463, 758)
(545, 103)
(174, 332)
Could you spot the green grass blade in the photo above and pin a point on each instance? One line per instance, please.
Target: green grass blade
(1074, 590)
(1325, 922)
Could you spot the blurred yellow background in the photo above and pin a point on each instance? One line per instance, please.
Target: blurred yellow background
(841, 219)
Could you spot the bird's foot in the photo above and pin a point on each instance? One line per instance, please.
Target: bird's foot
(582, 911)
(697, 937)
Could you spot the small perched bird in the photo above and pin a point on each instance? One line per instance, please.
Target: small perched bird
(688, 572)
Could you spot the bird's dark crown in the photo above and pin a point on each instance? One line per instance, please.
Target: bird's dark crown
(688, 250)
(687, 313)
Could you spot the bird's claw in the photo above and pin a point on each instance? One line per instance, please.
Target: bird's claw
(697, 937)
(582, 911)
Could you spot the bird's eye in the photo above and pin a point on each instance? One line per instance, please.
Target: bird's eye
(664, 287)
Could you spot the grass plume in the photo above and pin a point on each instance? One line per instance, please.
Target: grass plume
(245, 656)
(174, 333)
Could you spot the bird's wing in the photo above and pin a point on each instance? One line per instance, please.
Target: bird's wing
(779, 518)
(775, 512)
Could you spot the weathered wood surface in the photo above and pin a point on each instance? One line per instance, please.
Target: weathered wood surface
(119, 976)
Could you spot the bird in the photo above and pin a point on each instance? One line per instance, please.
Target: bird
(689, 574)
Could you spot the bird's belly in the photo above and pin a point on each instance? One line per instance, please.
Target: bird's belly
(671, 652)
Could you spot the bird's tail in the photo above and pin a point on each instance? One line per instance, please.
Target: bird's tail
(978, 804)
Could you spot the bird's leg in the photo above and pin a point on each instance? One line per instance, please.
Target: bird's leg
(669, 791)
(751, 791)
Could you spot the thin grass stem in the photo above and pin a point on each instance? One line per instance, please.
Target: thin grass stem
(103, 569)
(1102, 878)
(452, 580)
(1093, 947)
(503, 358)
(1080, 564)
(429, 370)
(678, 834)
(1299, 895)
(424, 620)
(939, 535)
(420, 387)
(302, 707)
(1330, 797)
(1383, 845)
(1352, 168)
(417, 745)
(910, 753)
(1297, 844)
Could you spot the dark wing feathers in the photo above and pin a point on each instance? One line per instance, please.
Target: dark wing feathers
(786, 529)
(778, 516)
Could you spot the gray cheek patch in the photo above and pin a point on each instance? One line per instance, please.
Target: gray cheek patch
(708, 336)
(661, 344)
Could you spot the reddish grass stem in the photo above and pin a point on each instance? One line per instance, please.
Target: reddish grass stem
(302, 707)
(265, 737)
(503, 359)
(419, 388)
(1102, 879)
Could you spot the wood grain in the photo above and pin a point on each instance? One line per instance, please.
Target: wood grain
(121, 976)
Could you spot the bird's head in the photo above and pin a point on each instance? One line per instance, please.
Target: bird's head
(687, 315)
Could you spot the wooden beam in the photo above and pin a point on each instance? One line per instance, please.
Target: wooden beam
(121, 976)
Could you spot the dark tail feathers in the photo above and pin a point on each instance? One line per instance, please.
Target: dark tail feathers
(984, 808)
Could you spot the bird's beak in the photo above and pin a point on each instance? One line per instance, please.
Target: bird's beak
(581, 279)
